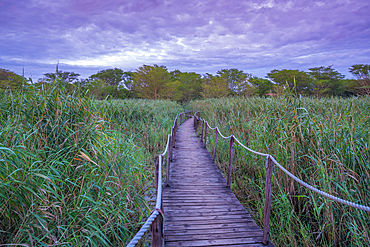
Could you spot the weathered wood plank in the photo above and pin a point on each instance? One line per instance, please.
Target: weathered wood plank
(185, 232)
(213, 242)
(252, 235)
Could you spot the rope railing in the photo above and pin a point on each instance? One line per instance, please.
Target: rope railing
(270, 160)
(155, 220)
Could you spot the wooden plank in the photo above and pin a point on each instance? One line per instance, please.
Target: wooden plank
(184, 232)
(207, 218)
(214, 242)
(221, 235)
(208, 212)
(210, 226)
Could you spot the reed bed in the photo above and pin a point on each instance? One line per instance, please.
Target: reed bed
(75, 171)
(325, 142)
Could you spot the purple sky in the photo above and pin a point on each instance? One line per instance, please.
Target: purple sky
(86, 36)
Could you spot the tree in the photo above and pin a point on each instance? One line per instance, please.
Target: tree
(112, 77)
(261, 86)
(69, 77)
(362, 73)
(236, 79)
(150, 81)
(326, 81)
(190, 85)
(214, 86)
(293, 79)
(127, 79)
(172, 90)
(9, 79)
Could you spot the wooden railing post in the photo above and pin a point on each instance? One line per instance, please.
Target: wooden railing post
(267, 208)
(156, 174)
(157, 225)
(205, 134)
(215, 147)
(173, 138)
(201, 136)
(199, 125)
(168, 162)
(157, 229)
(230, 163)
(174, 132)
(171, 144)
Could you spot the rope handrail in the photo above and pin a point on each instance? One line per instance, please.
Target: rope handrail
(327, 195)
(157, 211)
(334, 198)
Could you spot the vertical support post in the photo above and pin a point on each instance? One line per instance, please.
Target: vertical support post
(157, 231)
(230, 163)
(173, 138)
(168, 163)
(267, 208)
(171, 144)
(201, 136)
(199, 124)
(157, 228)
(156, 174)
(215, 148)
(205, 134)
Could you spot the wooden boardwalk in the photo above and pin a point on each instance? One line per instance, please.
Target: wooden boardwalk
(199, 210)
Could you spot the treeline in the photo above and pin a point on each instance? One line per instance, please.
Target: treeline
(156, 82)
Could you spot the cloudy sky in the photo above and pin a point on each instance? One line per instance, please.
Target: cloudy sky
(256, 36)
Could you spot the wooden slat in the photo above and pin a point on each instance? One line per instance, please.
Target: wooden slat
(199, 210)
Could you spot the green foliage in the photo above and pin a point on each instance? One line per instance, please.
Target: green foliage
(326, 81)
(294, 80)
(261, 86)
(101, 90)
(362, 73)
(67, 77)
(74, 171)
(214, 87)
(112, 77)
(150, 81)
(236, 80)
(325, 142)
(191, 85)
(10, 80)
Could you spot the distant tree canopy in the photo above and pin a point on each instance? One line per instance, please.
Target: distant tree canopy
(69, 77)
(236, 80)
(156, 82)
(112, 77)
(10, 80)
(150, 82)
(294, 80)
(362, 73)
(190, 85)
(326, 81)
(215, 86)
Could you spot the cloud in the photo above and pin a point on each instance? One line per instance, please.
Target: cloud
(201, 36)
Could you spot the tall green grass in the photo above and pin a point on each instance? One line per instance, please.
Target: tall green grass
(325, 142)
(74, 171)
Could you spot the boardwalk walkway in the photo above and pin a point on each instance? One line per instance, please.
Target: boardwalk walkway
(199, 209)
